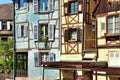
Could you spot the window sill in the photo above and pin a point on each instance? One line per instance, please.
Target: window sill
(72, 40)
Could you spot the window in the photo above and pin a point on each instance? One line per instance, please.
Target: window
(73, 7)
(4, 25)
(72, 35)
(20, 3)
(22, 31)
(113, 24)
(44, 57)
(43, 5)
(44, 32)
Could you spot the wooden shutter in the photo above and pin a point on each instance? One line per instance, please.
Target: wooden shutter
(35, 6)
(66, 10)
(25, 31)
(25, 3)
(80, 6)
(78, 34)
(19, 31)
(0, 25)
(66, 35)
(35, 32)
(51, 5)
(8, 25)
(51, 32)
(16, 4)
(36, 59)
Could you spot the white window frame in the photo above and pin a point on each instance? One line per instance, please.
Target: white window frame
(113, 24)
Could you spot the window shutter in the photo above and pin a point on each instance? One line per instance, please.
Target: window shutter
(19, 32)
(66, 36)
(25, 3)
(78, 34)
(66, 8)
(0, 25)
(51, 32)
(35, 6)
(16, 4)
(36, 59)
(52, 57)
(103, 25)
(51, 5)
(25, 31)
(35, 32)
(8, 25)
(80, 6)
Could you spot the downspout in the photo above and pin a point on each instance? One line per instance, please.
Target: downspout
(83, 25)
(14, 48)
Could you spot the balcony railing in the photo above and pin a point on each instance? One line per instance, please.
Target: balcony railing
(21, 73)
(90, 44)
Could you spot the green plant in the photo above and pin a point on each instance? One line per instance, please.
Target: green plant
(6, 56)
(44, 38)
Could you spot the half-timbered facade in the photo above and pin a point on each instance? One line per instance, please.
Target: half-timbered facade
(36, 37)
(77, 35)
(107, 15)
(6, 22)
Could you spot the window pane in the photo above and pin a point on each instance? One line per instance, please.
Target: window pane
(4, 25)
(21, 3)
(43, 5)
(73, 7)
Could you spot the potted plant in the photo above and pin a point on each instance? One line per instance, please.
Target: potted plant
(107, 34)
(45, 39)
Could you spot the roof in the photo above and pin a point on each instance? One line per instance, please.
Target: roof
(103, 7)
(6, 11)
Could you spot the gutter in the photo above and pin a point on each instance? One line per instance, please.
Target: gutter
(83, 10)
(14, 47)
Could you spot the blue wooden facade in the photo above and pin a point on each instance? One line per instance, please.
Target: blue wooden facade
(37, 35)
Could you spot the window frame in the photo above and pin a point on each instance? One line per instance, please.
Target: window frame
(113, 17)
(67, 7)
(22, 30)
(74, 7)
(4, 27)
(45, 34)
(67, 35)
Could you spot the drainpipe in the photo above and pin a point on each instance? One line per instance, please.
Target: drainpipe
(14, 49)
(83, 10)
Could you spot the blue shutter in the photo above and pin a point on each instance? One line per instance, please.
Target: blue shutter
(51, 5)
(52, 57)
(25, 31)
(36, 59)
(16, 4)
(35, 6)
(35, 32)
(25, 3)
(51, 32)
